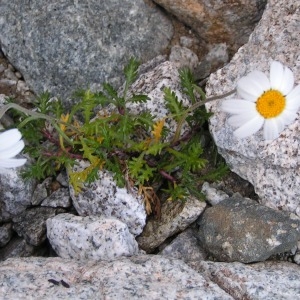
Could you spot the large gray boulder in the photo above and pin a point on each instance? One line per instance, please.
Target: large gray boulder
(139, 277)
(63, 45)
(271, 166)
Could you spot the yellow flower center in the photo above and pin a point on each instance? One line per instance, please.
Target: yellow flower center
(270, 104)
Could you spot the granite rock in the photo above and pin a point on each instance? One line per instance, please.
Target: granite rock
(15, 194)
(184, 57)
(268, 280)
(239, 229)
(104, 198)
(271, 166)
(229, 22)
(185, 247)
(59, 198)
(41, 191)
(6, 233)
(215, 59)
(31, 224)
(62, 46)
(176, 216)
(141, 277)
(92, 237)
(154, 77)
(18, 247)
(212, 194)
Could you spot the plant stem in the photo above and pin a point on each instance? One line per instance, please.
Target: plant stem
(192, 108)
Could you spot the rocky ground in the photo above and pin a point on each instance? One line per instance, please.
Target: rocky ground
(100, 244)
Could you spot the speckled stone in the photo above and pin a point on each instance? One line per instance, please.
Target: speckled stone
(212, 194)
(176, 216)
(18, 247)
(31, 224)
(41, 191)
(104, 198)
(184, 57)
(185, 247)
(61, 47)
(59, 198)
(261, 281)
(152, 82)
(141, 277)
(15, 194)
(215, 59)
(271, 166)
(95, 238)
(240, 229)
(6, 233)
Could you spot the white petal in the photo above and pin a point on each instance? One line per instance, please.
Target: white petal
(259, 81)
(241, 119)
(12, 162)
(12, 151)
(9, 137)
(288, 116)
(279, 123)
(246, 91)
(294, 97)
(276, 75)
(287, 81)
(272, 128)
(250, 127)
(235, 106)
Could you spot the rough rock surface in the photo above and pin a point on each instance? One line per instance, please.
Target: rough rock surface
(15, 194)
(31, 224)
(154, 77)
(175, 217)
(141, 277)
(61, 46)
(104, 197)
(185, 247)
(229, 22)
(239, 229)
(12, 83)
(213, 195)
(59, 198)
(94, 238)
(261, 281)
(18, 247)
(272, 167)
(6, 233)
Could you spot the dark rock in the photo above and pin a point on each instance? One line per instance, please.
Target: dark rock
(185, 247)
(6, 233)
(239, 229)
(17, 247)
(59, 198)
(62, 46)
(31, 224)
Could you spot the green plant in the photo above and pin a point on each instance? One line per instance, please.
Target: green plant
(101, 130)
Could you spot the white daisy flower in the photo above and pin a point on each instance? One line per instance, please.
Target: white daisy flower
(272, 103)
(11, 144)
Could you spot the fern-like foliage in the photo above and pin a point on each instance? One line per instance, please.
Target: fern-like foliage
(132, 147)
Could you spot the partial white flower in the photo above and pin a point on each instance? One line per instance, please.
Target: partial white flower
(11, 144)
(271, 103)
